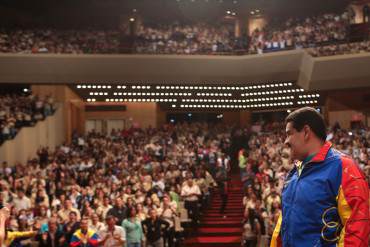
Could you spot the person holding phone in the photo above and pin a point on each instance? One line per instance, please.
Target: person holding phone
(112, 235)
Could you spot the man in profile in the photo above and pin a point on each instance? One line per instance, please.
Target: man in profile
(325, 198)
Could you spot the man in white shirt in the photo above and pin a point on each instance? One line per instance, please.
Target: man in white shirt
(103, 209)
(21, 201)
(112, 235)
(190, 193)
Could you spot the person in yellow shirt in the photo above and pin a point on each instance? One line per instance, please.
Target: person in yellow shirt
(4, 215)
(10, 238)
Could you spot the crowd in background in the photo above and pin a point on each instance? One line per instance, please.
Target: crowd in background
(130, 175)
(17, 111)
(327, 34)
(59, 41)
(187, 39)
(340, 49)
(296, 33)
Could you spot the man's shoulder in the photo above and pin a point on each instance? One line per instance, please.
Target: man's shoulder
(118, 228)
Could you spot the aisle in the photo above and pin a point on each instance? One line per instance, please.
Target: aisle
(214, 229)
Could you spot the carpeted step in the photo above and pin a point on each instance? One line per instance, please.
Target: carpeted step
(227, 210)
(212, 241)
(228, 206)
(229, 200)
(221, 223)
(218, 214)
(220, 231)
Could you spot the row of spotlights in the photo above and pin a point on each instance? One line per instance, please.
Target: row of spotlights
(270, 85)
(94, 86)
(310, 96)
(214, 94)
(140, 87)
(238, 100)
(214, 100)
(141, 100)
(154, 94)
(274, 92)
(225, 87)
(307, 102)
(193, 87)
(272, 98)
(98, 93)
(91, 100)
(236, 106)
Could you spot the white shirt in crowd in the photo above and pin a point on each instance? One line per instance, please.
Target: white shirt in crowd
(186, 191)
(111, 241)
(22, 203)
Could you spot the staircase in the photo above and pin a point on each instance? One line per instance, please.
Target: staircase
(214, 229)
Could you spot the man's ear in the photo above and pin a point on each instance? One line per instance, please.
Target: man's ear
(307, 132)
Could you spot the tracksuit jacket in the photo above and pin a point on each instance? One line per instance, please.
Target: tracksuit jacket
(326, 205)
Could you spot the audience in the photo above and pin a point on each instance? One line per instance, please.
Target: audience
(59, 41)
(301, 33)
(325, 34)
(195, 39)
(340, 49)
(17, 111)
(123, 178)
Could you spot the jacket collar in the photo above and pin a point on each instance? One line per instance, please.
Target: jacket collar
(320, 156)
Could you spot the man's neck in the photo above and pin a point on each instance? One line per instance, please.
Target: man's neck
(313, 149)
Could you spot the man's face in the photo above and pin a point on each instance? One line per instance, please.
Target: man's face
(52, 226)
(72, 217)
(20, 194)
(119, 202)
(111, 222)
(83, 225)
(153, 214)
(295, 140)
(190, 182)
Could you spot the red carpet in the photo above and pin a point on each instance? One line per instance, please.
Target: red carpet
(214, 230)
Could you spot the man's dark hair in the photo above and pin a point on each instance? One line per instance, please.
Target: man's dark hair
(308, 116)
(73, 212)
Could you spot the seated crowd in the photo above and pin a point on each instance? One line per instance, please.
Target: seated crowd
(301, 33)
(58, 41)
(264, 167)
(340, 49)
(108, 189)
(323, 33)
(17, 111)
(195, 39)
